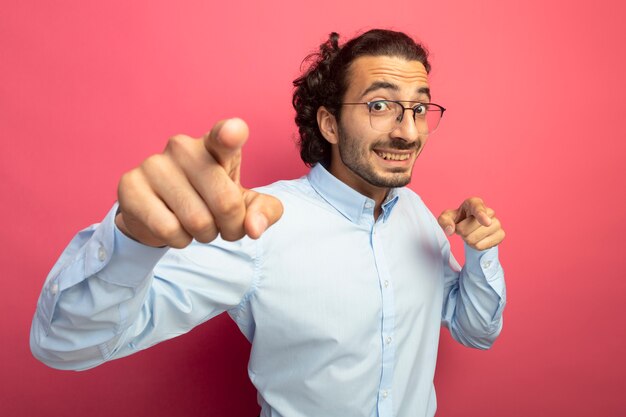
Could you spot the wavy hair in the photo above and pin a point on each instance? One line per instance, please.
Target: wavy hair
(325, 81)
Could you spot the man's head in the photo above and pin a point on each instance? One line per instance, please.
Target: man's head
(382, 64)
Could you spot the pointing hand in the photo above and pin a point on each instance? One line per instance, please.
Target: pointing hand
(474, 222)
(192, 191)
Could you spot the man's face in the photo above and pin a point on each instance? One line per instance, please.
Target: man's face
(365, 159)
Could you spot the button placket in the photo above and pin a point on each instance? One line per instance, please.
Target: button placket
(387, 322)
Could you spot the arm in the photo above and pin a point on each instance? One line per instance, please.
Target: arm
(475, 295)
(82, 307)
(109, 296)
(117, 289)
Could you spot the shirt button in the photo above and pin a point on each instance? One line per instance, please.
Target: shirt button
(386, 283)
(54, 289)
(368, 205)
(388, 340)
(102, 254)
(385, 394)
(486, 264)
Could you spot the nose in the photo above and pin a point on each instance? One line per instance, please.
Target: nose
(408, 129)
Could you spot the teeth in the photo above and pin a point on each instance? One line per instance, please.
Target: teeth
(394, 156)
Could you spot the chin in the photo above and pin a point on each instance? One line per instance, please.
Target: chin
(390, 181)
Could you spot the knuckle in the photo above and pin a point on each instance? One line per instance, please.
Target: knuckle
(444, 216)
(127, 186)
(177, 142)
(232, 235)
(227, 203)
(480, 245)
(130, 178)
(127, 181)
(194, 217)
(167, 231)
(180, 243)
(198, 223)
(154, 164)
(180, 147)
(207, 236)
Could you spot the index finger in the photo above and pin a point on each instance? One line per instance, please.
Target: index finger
(476, 207)
(224, 143)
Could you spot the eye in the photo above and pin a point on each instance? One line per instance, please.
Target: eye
(420, 109)
(379, 106)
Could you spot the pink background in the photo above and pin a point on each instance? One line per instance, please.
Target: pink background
(535, 92)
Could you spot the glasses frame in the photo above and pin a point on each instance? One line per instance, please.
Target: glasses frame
(414, 108)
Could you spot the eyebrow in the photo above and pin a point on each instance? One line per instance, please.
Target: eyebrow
(384, 85)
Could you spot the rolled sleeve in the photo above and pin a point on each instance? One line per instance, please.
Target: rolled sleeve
(476, 298)
(485, 271)
(101, 261)
(133, 261)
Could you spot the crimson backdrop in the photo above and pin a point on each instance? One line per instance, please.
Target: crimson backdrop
(535, 92)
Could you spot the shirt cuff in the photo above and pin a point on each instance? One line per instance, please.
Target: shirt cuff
(131, 262)
(486, 264)
(483, 262)
(118, 259)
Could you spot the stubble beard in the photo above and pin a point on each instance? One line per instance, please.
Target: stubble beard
(356, 159)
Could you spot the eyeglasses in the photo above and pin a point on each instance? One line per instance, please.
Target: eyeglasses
(386, 115)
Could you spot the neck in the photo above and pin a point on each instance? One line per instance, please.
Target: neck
(354, 181)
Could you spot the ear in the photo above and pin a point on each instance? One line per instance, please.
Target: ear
(327, 124)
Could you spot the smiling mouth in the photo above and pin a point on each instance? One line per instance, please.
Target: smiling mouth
(390, 156)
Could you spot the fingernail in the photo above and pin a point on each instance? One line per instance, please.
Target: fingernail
(449, 230)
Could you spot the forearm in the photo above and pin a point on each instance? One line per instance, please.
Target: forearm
(91, 297)
(110, 296)
(473, 311)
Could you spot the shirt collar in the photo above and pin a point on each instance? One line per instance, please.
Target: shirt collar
(345, 199)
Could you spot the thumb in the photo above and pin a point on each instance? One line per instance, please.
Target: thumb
(224, 143)
(447, 221)
(262, 211)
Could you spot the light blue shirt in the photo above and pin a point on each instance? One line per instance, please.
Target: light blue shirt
(343, 311)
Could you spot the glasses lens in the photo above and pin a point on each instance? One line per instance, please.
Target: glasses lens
(386, 116)
(429, 116)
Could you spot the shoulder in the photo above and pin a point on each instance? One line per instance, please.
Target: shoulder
(287, 188)
(406, 196)
(296, 194)
(410, 201)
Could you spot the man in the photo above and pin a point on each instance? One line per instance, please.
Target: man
(342, 297)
